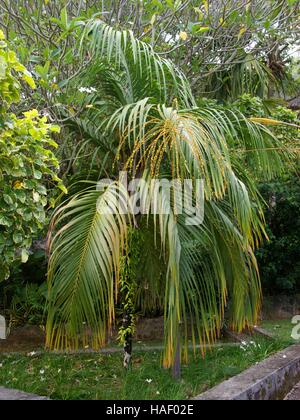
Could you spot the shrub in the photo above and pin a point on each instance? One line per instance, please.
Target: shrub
(27, 165)
(250, 106)
(279, 259)
(288, 134)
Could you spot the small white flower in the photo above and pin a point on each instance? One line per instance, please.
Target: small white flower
(87, 90)
(284, 356)
(157, 393)
(244, 343)
(59, 371)
(1, 365)
(42, 371)
(149, 381)
(31, 354)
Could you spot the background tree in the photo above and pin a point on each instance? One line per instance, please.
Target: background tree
(225, 47)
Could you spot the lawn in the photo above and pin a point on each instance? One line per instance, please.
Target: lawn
(95, 376)
(282, 330)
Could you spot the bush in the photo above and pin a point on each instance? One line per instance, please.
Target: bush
(279, 259)
(23, 295)
(288, 134)
(250, 106)
(27, 165)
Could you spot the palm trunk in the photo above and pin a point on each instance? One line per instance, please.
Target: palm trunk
(128, 290)
(177, 363)
(127, 326)
(127, 296)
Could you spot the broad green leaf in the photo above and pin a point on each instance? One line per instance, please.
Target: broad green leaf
(18, 238)
(37, 174)
(5, 221)
(7, 198)
(24, 256)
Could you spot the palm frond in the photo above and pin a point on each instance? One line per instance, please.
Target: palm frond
(207, 263)
(84, 267)
(123, 50)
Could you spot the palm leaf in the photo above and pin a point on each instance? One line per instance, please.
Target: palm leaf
(84, 267)
(123, 50)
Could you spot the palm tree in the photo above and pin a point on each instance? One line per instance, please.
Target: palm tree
(248, 76)
(141, 117)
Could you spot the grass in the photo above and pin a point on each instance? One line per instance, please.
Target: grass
(281, 330)
(101, 377)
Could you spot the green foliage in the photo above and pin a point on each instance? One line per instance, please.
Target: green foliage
(279, 258)
(23, 295)
(11, 71)
(289, 134)
(117, 96)
(151, 272)
(27, 166)
(128, 286)
(227, 48)
(250, 106)
(249, 76)
(28, 305)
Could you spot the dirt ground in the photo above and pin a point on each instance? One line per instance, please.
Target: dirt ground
(23, 339)
(32, 338)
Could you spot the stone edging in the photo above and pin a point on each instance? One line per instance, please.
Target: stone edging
(12, 395)
(271, 379)
(294, 395)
